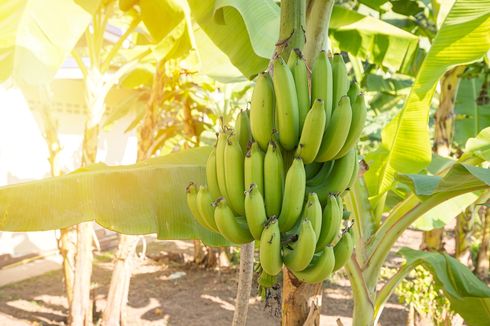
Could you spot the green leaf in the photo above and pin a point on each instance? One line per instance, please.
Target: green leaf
(462, 38)
(463, 176)
(372, 39)
(439, 163)
(395, 85)
(407, 8)
(245, 31)
(443, 213)
(479, 146)
(468, 296)
(147, 197)
(471, 116)
(34, 42)
(375, 4)
(421, 184)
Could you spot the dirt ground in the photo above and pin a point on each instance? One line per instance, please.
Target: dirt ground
(174, 292)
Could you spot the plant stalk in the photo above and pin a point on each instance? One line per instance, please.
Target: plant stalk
(244, 284)
(387, 238)
(363, 305)
(317, 25)
(291, 29)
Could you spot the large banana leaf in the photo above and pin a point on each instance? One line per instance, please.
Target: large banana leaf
(372, 39)
(36, 36)
(245, 31)
(148, 197)
(468, 296)
(464, 37)
(471, 114)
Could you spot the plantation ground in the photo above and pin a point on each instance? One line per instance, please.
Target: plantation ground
(200, 297)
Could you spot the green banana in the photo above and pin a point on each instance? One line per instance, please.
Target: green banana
(340, 79)
(212, 176)
(336, 132)
(321, 176)
(205, 207)
(312, 134)
(322, 83)
(191, 191)
(287, 105)
(355, 173)
(343, 250)
(262, 110)
(229, 225)
(331, 222)
(299, 70)
(359, 113)
(353, 91)
(319, 269)
(254, 167)
(338, 179)
(312, 169)
(299, 257)
(220, 163)
(270, 248)
(294, 194)
(234, 174)
(340, 203)
(255, 211)
(242, 127)
(273, 179)
(313, 212)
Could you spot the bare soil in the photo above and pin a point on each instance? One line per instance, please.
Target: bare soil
(167, 288)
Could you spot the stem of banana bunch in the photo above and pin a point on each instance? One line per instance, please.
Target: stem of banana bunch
(291, 29)
(318, 16)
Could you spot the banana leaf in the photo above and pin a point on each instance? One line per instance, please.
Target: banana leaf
(468, 296)
(372, 39)
(34, 42)
(462, 38)
(148, 197)
(472, 115)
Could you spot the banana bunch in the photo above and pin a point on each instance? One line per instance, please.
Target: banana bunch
(277, 177)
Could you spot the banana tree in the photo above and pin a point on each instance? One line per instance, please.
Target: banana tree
(136, 186)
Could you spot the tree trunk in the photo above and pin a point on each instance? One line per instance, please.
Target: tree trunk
(463, 233)
(443, 138)
(482, 261)
(81, 308)
(244, 284)
(301, 302)
(432, 240)
(67, 246)
(115, 311)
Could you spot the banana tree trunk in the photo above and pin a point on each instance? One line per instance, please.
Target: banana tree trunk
(67, 246)
(432, 240)
(443, 137)
(301, 302)
(463, 233)
(482, 260)
(81, 308)
(115, 311)
(244, 284)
